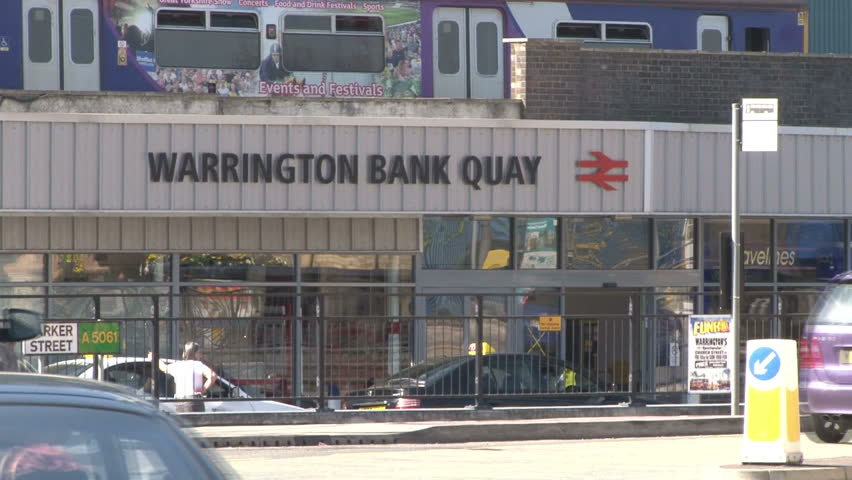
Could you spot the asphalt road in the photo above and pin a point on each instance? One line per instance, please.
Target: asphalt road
(647, 458)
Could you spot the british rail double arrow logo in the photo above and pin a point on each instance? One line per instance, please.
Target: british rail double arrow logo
(602, 177)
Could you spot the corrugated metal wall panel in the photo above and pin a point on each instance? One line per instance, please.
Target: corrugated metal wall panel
(828, 26)
(200, 234)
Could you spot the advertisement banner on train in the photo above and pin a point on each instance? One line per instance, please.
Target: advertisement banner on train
(154, 38)
(711, 348)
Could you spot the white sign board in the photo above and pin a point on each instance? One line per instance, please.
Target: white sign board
(711, 352)
(55, 338)
(760, 125)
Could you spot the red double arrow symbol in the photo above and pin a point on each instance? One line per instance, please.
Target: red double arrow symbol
(602, 176)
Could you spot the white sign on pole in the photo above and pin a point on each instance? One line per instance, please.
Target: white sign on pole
(55, 338)
(710, 354)
(760, 125)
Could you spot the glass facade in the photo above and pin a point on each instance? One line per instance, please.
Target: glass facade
(606, 244)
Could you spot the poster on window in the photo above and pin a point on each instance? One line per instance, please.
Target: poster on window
(711, 348)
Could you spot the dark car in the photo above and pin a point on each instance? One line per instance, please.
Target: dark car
(62, 428)
(508, 380)
(825, 361)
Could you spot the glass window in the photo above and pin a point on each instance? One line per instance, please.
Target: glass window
(809, 250)
(333, 52)
(233, 20)
(22, 267)
(756, 258)
(628, 32)
(221, 49)
(82, 36)
(447, 242)
(180, 18)
(675, 244)
(19, 297)
(111, 267)
(81, 442)
(606, 244)
(487, 48)
(40, 37)
(357, 23)
(493, 246)
(537, 242)
(240, 267)
(579, 30)
(711, 40)
(308, 22)
(796, 305)
(448, 47)
(355, 268)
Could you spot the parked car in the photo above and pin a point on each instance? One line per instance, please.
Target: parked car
(135, 372)
(508, 380)
(825, 361)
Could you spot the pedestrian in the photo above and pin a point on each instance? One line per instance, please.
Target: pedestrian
(192, 378)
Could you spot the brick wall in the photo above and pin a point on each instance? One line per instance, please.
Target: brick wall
(559, 80)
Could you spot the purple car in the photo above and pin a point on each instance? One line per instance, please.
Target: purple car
(825, 361)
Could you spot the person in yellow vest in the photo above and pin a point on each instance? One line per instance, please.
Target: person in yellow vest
(487, 349)
(569, 378)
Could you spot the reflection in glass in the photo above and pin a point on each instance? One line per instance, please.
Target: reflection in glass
(795, 305)
(809, 250)
(447, 242)
(14, 297)
(675, 244)
(493, 246)
(537, 242)
(756, 257)
(28, 267)
(134, 306)
(110, 267)
(356, 268)
(606, 244)
(241, 267)
(369, 329)
(666, 337)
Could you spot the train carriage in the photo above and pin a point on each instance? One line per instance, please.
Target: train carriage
(364, 49)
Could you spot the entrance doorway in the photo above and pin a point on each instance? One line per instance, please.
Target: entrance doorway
(468, 53)
(598, 333)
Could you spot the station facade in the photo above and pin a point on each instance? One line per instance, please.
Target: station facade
(422, 218)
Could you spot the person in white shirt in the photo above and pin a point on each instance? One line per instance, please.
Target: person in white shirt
(192, 378)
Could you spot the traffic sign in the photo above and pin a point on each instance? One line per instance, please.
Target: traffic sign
(764, 363)
(99, 337)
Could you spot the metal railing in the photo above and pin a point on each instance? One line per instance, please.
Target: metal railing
(610, 346)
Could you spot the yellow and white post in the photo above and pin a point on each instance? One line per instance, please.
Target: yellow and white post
(771, 420)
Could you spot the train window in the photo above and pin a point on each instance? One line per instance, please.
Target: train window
(181, 18)
(40, 35)
(486, 48)
(591, 31)
(355, 44)
(448, 47)
(711, 40)
(233, 20)
(352, 23)
(757, 39)
(82, 36)
(628, 32)
(320, 23)
(231, 42)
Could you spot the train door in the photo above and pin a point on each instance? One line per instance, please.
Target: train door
(468, 53)
(713, 35)
(61, 45)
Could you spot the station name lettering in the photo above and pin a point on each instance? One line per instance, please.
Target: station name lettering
(325, 169)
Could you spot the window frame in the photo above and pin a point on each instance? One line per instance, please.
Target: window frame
(207, 28)
(602, 27)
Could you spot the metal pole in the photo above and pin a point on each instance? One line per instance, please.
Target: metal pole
(95, 357)
(155, 352)
(735, 257)
(479, 340)
(321, 360)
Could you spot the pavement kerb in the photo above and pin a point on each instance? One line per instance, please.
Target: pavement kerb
(465, 432)
(777, 472)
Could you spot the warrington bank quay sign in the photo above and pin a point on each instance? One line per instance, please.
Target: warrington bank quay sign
(288, 168)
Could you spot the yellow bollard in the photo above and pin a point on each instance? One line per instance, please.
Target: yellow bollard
(771, 421)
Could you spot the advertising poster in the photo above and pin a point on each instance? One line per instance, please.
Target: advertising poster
(134, 24)
(711, 348)
(539, 243)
